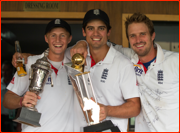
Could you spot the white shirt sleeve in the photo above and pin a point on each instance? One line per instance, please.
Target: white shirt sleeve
(128, 82)
(20, 85)
(125, 51)
(176, 57)
(67, 54)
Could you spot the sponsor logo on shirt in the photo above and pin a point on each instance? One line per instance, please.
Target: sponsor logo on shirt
(160, 77)
(138, 70)
(104, 75)
(69, 81)
(12, 81)
(48, 80)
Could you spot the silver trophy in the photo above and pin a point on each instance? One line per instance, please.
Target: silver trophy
(39, 73)
(83, 88)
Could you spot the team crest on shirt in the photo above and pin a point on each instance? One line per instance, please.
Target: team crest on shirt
(138, 70)
(12, 81)
(160, 77)
(48, 80)
(104, 75)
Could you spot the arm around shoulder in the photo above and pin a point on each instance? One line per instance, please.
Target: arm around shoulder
(125, 51)
(80, 47)
(22, 55)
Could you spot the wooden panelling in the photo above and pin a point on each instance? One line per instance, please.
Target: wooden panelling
(115, 20)
(43, 15)
(114, 9)
(151, 7)
(11, 6)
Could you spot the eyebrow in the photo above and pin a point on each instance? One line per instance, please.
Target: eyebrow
(90, 26)
(98, 26)
(139, 33)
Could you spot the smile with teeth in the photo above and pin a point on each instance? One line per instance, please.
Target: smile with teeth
(140, 45)
(96, 39)
(58, 46)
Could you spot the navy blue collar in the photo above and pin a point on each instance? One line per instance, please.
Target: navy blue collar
(148, 63)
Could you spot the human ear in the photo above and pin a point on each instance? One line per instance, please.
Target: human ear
(84, 33)
(46, 39)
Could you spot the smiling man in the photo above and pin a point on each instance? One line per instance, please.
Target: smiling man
(112, 75)
(157, 75)
(56, 103)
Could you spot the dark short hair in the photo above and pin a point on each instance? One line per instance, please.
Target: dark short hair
(139, 18)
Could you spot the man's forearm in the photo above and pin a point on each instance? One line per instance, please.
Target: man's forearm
(126, 110)
(29, 54)
(80, 47)
(11, 100)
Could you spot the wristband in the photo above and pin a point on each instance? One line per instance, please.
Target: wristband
(20, 102)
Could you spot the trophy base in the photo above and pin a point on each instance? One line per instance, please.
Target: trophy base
(106, 126)
(29, 117)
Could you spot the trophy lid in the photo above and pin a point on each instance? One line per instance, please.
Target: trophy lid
(78, 62)
(43, 62)
(78, 59)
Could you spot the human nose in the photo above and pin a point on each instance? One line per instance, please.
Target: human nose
(96, 32)
(58, 39)
(138, 39)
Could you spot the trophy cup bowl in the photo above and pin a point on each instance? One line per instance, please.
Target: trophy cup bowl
(83, 88)
(78, 62)
(39, 73)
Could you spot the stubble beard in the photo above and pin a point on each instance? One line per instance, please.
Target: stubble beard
(143, 52)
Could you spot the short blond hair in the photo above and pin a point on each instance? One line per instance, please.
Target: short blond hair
(139, 18)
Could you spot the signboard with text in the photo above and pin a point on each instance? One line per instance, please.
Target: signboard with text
(41, 5)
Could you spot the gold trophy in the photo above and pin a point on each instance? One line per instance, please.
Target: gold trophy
(83, 88)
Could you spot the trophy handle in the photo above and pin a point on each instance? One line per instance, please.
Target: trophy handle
(51, 81)
(30, 74)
